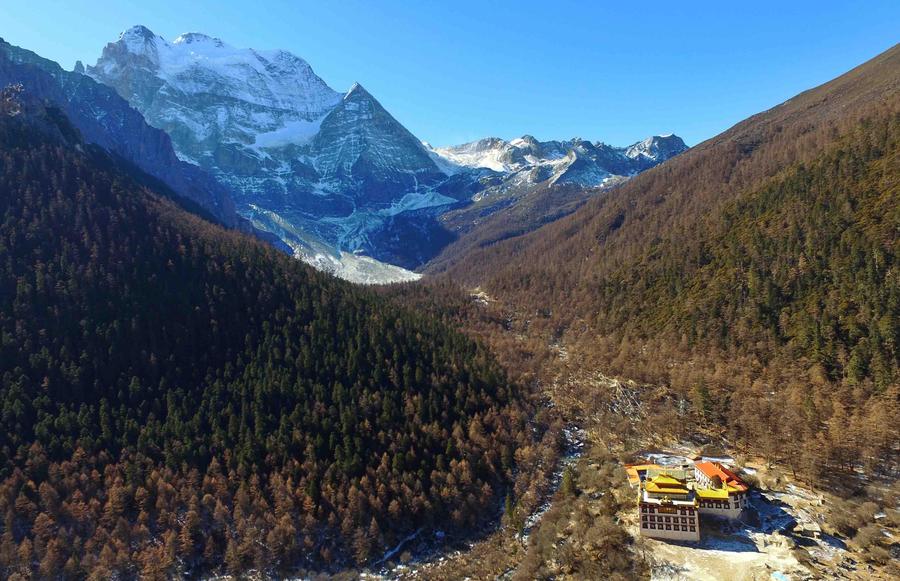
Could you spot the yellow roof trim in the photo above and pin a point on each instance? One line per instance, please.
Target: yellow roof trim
(712, 493)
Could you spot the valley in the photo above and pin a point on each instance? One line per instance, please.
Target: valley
(254, 327)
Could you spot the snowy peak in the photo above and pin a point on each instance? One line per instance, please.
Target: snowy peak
(326, 169)
(138, 42)
(195, 63)
(657, 148)
(491, 153)
(357, 91)
(361, 142)
(571, 161)
(137, 35)
(360, 99)
(304, 161)
(197, 38)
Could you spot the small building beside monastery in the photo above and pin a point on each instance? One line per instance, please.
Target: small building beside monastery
(719, 490)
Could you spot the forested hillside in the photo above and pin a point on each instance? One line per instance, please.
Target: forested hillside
(755, 275)
(177, 398)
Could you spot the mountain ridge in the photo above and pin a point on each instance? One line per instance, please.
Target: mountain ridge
(513, 155)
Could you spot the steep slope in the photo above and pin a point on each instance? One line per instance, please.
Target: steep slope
(179, 399)
(492, 219)
(105, 119)
(755, 274)
(360, 142)
(325, 172)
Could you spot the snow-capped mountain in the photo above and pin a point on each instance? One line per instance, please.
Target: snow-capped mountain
(321, 169)
(213, 98)
(573, 161)
(516, 186)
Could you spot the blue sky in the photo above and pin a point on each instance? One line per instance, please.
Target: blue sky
(457, 71)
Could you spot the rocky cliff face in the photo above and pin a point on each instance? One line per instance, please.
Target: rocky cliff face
(105, 119)
(362, 146)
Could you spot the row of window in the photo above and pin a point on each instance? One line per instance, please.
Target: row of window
(654, 526)
(674, 519)
(645, 508)
(722, 505)
(714, 504)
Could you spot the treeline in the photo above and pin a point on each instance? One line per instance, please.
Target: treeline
(755, 276)
(178, 399)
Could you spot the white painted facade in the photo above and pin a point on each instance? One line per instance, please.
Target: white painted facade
(676, 520)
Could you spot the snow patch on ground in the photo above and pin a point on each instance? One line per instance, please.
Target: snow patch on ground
(322, 256)
(575, 438)
(366, 270)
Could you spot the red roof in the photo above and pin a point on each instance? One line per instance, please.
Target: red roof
(727, 477)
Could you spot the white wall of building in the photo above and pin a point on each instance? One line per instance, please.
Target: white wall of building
(674, 535)
(724, 512)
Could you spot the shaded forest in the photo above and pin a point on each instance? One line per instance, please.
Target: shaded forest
(177, 398)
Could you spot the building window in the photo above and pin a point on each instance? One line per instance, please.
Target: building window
(693, 529)
(668, 527)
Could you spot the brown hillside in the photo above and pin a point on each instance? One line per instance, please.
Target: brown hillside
(755, 275)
